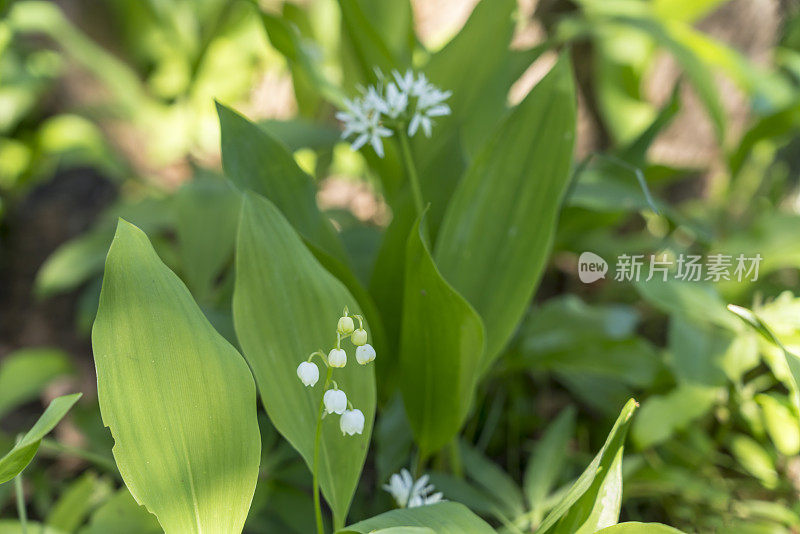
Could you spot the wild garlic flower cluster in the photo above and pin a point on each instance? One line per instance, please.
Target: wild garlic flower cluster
(334, 400)
(405, 102)
(409, 493)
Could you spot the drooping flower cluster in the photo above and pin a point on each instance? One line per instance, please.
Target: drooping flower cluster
(405, 101)
(408, 493)
(334, 400)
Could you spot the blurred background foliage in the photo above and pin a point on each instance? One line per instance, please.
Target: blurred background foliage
(107, 110)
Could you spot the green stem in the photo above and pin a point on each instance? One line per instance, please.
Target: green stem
(317, 436)
(21, 512)
(413, 178)
(48, 445)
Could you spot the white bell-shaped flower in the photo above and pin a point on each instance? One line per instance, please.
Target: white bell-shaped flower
(345, 325)
(359, 337)
(352, 422)
(308, 373)
(335, 401)
(365, 354)
(337, 358)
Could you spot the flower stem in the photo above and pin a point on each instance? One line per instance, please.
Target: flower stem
(411, 170)
(317, 437)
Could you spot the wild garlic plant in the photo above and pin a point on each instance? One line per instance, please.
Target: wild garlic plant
(398, 105)
(334, 400)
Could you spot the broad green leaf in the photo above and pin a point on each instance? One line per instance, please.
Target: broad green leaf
(595, 497)
(364, 41)
(755, 459)
(286, 306)
(499, 226)
(179, 399)
(662, 416)
(206, 212)
(23, 452)
(634, 527)
(547, 460)
(353, 285)
(470, 66)
(75, 503)
(441, 345)
(394, 22)
(253, 159)
(25, 372)
(442, 518)
(121, 515)
(781, 424)
(792, 358)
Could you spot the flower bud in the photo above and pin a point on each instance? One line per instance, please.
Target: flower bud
(352, 422)
(335, 401)
(365, 354)
(337, 358)
(359, 336)
(308, 373)
(345, 325)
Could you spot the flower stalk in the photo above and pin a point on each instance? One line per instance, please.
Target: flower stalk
(411, 171)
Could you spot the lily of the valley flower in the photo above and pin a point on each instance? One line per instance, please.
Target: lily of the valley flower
(335, 401)
(365, 354)
(352, 422)
(359, 338)
(337, 358)
(308, 373)
(345, 325)
(408, 493)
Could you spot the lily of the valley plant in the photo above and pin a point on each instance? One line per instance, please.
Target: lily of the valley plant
(334, 400)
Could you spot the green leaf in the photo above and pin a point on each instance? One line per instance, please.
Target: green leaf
(121, 515)
(634, 527)
(25, 372)
(207, 210)
(751, 455)
(547, 460)
(366, 43)
(781, 424)
(499, 226)
(72, 264)
(307, 69)
(440, 350)
(442, 518)
(253, 159)
(792, 359)
(75, 503)
(472, 65)
(594, 499)
(493, 480)
(662, 416)
(179, 399)
(23, 452)
(286, 306)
